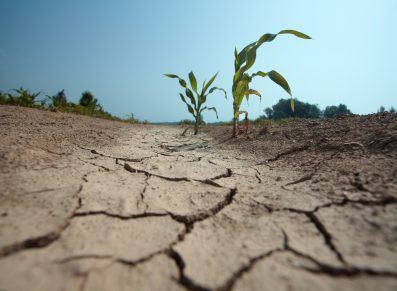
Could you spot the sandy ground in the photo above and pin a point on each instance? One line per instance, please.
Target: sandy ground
(90, 204)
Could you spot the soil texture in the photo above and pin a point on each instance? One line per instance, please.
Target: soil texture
(91, 204)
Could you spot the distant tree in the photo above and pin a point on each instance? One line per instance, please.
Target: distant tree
(302, 110)
(334, 111)
(186, 122)
(330, 112)
(268, 113)
(279, 115)
(88, 100)
(381, 109)
(61, 97)
(392, 110)
(342, 109)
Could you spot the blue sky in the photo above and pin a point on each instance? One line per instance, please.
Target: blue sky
(119, 50)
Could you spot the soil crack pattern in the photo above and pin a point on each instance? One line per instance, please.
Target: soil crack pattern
(91, 204)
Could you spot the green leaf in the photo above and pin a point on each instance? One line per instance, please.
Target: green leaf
(183, 98)
(242, 56)
(181, 81)
(250, 91)
(203, 87)
(238, 113)
(190, 95)
(188, 106)
(246, 79)
(292, 104)
(251, 57)
(259, 73)
(268, 37)
(239, 93)
(296, 33)
(204, 123)
(279, 80)
(209, 84)
(216, 88)
(193, 81)
(238, 74)
(236, 55)
(212, 108)
(190, 109)
(186, 130)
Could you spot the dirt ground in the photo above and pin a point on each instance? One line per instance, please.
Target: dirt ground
(90, 204)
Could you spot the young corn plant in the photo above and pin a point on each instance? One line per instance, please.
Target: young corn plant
(25, 99)
(242, 79)
(201, 98)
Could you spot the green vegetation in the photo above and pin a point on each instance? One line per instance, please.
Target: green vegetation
(241, 79)
(302, 110)
(25, 98)
(192, 122)
(334, 111)
(201, 98)
(258, 121)
(58, 103)
(383, 109)
(130, 118)
(186, 122)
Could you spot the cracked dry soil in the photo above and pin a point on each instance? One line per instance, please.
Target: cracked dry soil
(90, 204)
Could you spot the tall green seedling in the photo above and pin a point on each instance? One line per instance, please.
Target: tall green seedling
(201, 98)
(241, 79)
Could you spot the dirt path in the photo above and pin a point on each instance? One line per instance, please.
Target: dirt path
(89, 204)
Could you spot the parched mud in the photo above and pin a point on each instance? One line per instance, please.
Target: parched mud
(91, 204)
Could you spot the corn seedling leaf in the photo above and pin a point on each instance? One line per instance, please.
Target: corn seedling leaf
(203, 87)
(193, 81)
(296, 33)
(292, 104)
(183, 98)
(259, 73)
(181, 81)
(190, 95)
(183, 133)
(18, 90)
(251, 57)
(236, 55)
(216, 88)
(238, 74)
(209, 84)
(204, 123)
(212, 108)
(242, 56)
(268, 37)
(279, 80)
(250, 91)
(188, 106)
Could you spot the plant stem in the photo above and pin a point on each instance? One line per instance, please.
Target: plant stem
(196, 126)
(235, 109)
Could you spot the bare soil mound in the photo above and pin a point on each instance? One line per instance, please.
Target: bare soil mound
(91, 204)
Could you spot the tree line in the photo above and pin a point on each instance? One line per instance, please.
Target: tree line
(283, 110)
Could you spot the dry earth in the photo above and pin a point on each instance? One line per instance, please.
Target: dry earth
(91, 204)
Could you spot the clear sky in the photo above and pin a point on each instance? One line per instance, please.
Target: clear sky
(119, 50)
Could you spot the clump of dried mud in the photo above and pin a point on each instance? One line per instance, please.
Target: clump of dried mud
(91, 204)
